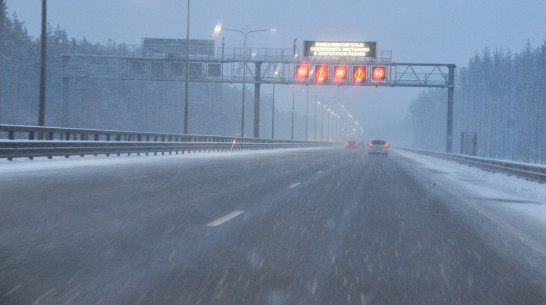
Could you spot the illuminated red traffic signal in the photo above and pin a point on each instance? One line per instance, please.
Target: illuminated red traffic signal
(379, 73)
(302, 71)
(359, 74)
(340, 73)
(321, 73)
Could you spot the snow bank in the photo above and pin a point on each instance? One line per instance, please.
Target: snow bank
(508, 191)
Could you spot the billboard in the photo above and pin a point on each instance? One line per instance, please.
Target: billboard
(164, 47)
(340, 48)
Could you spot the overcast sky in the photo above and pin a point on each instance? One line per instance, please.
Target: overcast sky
(430, 31)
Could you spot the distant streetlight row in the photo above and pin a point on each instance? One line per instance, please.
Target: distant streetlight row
(219, 29)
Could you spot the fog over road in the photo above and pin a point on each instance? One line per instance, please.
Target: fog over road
(306, 226)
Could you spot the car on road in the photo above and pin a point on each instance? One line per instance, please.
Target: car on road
(378, 147)
(351, 145)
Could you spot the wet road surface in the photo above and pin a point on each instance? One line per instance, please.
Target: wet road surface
(312, 226)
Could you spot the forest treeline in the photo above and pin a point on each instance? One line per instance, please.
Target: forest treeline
(499, 95)
(111, 104)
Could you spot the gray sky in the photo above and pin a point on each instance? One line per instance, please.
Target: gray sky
(431, 31)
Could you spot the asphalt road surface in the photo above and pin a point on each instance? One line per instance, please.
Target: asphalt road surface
(309, 226)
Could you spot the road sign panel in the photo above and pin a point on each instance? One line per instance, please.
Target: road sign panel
(340, 73)
(359, 74)
(379, 73)
(302, 71)
(321, 73)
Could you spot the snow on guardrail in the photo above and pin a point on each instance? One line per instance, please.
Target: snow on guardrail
(526, 170)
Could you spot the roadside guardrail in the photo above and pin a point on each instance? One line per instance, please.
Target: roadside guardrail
(520, 169)
(18, 141)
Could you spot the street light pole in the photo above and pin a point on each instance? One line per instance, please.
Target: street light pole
(306, 112)
(43, 45)
(187, 71)
(273, 107)
(315, 136)
(292, 132)
(245, 34)
(336, 131)
(293, 94)
(328, 128)
(322, 124)
(335, 128)
(332, 126)
(244, 81)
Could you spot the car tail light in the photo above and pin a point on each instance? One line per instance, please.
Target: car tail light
(386, 145)
(347, 144)
(356, 144)
(370, 144)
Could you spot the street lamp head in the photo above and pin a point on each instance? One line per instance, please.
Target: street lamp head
(218, 28)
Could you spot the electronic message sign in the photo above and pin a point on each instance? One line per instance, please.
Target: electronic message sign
(321, 73)
(340, 73)
(340, 48)
(378, 73)
(302, 71)
(359, 74)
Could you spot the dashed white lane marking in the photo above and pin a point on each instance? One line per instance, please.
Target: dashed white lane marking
(172, 255)
(133, 178)
(225, 218)
(319, 172)
(13, 290)
(43, 296)
(293, 185)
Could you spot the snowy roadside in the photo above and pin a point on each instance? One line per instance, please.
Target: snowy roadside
(506, 191)
(43, 163)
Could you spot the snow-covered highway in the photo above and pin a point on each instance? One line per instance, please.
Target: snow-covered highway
(298, 226)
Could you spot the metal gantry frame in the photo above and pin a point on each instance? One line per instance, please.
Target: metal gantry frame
(274, 66)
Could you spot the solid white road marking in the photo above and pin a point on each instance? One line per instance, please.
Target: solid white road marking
(225, 218)
(293, 185)
(132, 178)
